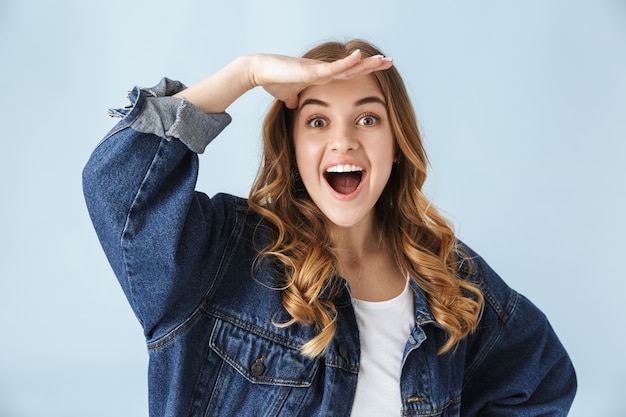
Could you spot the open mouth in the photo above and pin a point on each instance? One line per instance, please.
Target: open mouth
(344, 179)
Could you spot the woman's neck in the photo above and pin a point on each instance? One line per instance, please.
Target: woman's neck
(356, 241)
(366, 263)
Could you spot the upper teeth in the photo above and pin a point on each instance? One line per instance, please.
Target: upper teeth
(344, 168)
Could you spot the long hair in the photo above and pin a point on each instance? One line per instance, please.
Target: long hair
(422, 241)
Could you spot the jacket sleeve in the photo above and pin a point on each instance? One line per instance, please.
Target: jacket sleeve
(516, 364)
(139, 186)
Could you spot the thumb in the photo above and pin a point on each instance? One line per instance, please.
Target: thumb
(292, 102)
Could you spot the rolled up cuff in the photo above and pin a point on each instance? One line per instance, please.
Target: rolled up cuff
(173, 118)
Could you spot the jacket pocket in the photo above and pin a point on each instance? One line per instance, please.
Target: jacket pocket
(256, 372)
(261, 358)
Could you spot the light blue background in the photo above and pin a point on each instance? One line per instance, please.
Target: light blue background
(523, 110)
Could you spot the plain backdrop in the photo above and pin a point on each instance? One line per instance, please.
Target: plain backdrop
(523, 109)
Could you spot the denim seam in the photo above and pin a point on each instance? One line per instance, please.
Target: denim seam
(134, 109)
(235, 232)
(252, 328)
(432, 412)
(340, 364)
(495, 305)
(218, 387)
(174, 334)
(504, 313)
(491, 343)
(126, 232)
(198, 394)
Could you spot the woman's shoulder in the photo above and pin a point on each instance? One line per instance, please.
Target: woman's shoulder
(498, 295)
(514, 350)
(505, 310)
(236, 211)
(230, 203)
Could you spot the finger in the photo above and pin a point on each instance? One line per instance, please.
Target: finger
(369, 65)
(345, 68)
(343, 65)
(292, 102)
(323, 72)
(349, 67)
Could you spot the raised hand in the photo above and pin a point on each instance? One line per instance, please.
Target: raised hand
(285, 77)
(282, 76)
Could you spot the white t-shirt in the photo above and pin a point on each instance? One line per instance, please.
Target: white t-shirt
(384, 329)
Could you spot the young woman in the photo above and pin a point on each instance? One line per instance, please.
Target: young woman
(336, 289)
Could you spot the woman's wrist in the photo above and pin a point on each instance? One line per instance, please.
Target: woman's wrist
(217, 92)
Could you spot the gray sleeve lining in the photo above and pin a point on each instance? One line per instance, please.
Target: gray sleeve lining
(174, 118)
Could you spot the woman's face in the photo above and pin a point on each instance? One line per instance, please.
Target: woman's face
(344, 148)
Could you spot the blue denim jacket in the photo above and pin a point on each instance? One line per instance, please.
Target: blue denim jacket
(185, 262)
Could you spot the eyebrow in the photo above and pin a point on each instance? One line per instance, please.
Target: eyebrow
(371, 99)
(360, 102)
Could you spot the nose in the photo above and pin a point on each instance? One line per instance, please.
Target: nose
(343, 139)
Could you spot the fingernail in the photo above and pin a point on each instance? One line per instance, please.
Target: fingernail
(356, 51)
(376, 56)
(387, 59)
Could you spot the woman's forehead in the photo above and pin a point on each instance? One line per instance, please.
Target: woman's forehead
(352, 89)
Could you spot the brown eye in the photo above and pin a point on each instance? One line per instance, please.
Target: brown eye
(317, 122)
(368, 120)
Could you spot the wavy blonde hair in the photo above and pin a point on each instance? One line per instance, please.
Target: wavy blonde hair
(422, 241)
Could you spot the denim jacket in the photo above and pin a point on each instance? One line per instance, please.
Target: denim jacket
(186, 263)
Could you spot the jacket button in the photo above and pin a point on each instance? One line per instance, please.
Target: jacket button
(258, 367)
(343, 351)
